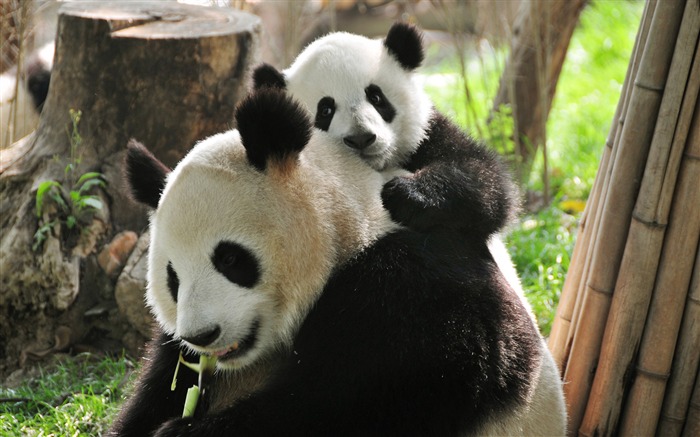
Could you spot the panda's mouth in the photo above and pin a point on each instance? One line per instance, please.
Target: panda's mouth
(241, 347)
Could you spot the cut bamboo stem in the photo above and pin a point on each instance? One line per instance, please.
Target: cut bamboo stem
(686, 363)
(635, 281)
(692, 424)
(618, 205)
(658, 344)
(562, 327)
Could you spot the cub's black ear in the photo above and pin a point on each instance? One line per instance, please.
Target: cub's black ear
(266, 75)
(145, 175)
(405, 43)
(274, 128)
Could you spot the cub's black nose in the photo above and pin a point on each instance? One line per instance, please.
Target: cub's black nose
(360, 141)
(204, 338)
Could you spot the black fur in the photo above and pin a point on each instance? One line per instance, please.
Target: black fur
(173, 281)
(145, 174)
(414, 337)
(376, 98)
(325, 109)
(265, 75)
(238, 264)
(272, 126)
(404, 42)
(457, 184)
(152, 401)
(38, 86)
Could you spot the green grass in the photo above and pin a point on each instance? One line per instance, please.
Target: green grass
(73, 396)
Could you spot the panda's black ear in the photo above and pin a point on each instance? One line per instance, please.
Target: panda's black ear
(265, 75)
(274, 128)
(144, 173)
(405, 43)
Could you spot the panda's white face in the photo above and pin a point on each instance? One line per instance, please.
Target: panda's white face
(360, 94)
(238, 255)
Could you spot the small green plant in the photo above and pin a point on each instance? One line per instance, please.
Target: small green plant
(73, 203)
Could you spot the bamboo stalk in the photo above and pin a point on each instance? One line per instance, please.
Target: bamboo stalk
(658, 344)
(686, 363)
(562, 325)
(635, 281)
(635, 61)
(619, 202)
(692, 423)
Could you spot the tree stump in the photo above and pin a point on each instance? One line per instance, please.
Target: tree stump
(164, 73)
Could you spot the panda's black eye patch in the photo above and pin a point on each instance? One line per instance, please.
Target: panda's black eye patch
(173, 281)
(376, 98)
(324, 113)
(236, 263)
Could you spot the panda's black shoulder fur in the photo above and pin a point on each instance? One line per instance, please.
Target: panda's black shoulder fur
(413, 337)
(458, 183)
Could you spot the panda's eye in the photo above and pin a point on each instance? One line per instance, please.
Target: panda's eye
(236, 263)
(324, 113)
(376, 97)
(173, 281)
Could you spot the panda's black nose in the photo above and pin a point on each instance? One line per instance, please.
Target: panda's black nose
(360, 141)
(204, 338)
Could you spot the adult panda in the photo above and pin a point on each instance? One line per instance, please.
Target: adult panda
(366, 94)
(412, 335)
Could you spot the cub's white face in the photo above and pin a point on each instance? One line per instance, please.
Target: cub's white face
(359, 93)
(238, 255)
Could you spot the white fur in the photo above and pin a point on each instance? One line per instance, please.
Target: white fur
(299, 223)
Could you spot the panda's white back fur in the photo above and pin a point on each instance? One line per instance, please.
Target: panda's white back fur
(300, 225)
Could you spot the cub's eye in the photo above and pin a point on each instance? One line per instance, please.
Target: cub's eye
(325, 108)
(236, 263)
(375, 99)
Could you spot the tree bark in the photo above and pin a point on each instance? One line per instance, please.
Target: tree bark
(541, 37)
(164, 73)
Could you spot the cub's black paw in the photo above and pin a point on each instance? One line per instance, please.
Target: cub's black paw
(406, 204)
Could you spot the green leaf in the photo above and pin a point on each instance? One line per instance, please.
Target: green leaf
(44, 187)
(91, 183)
(71, 221)
(92, 202)
(56, 197)
(89, 175)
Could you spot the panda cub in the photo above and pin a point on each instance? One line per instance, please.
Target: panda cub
(365, 93)
(269, 252)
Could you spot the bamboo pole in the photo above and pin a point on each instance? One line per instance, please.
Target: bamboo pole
(692, 424)
(636, 60)
(619, 202)
(658, 344)
(562, 325)
(635, 281)
(686, 363)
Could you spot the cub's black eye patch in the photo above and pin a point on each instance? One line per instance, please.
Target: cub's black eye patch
(324, 113)
(236, 263)
(376, 98)
(173, 281)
